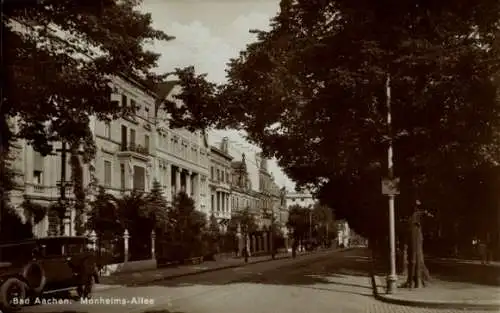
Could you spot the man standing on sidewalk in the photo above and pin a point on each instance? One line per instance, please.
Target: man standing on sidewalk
(482, 249)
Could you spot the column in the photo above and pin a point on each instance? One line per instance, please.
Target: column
(222, 202)
(177, 180)
(196, 188)
(217, 201)
(131, 175)
(188, 183)
(168, 182)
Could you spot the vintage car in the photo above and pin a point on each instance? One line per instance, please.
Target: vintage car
(32, 268)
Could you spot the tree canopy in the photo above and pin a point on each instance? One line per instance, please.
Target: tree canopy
(59, 62)
(58, 67)
(312, 92)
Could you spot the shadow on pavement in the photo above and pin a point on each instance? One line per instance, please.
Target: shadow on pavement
(161, 311)
(350, 271)
(473, 273)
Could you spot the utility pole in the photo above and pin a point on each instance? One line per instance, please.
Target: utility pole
(391, 192)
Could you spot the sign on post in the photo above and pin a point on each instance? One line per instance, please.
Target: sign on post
(390, 187)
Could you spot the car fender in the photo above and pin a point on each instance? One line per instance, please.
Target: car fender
(43, 279)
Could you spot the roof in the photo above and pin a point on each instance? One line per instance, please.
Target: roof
(163, 89)
(220, 152)
(237, 164)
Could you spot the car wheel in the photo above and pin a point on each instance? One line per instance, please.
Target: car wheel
(12, 294)
(85, 290)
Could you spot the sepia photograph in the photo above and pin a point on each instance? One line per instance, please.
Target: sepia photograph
(249, 156)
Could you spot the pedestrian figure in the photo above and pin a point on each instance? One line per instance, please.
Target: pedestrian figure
(482, 251)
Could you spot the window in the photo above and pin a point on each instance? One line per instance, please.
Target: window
(38, 167)
(53, 249)
(212, 172)
(139, 178)
(227, 177)
(213, 202)
(222, 175)
(301, 199)
(107, 173)
(37, 177)
(132, 137)
(146, 113)
(124, 101)
(107, 130)
(74, 248)
(133, 104)
(124, 138)
(146, 142)
(218, 174)
(122, 176)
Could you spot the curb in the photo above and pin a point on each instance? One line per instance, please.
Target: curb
(436, 304)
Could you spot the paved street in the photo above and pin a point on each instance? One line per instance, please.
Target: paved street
(323, 282)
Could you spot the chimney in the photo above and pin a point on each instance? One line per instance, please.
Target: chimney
(224, 145)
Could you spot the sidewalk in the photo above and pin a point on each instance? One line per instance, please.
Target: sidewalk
(151, 276)
(443, 294)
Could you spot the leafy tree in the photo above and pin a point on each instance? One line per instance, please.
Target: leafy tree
(189, 225)
(104, 216)
(14, 228)
(246, 225)
(298, 222)
(34, 212)
(213, 235)
(311, 91)
(52, 86)
(324, 222)
(156, 207)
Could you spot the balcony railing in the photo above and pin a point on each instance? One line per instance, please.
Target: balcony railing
(135, 148)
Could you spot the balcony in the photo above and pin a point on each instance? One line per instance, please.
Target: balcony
(222, 214)
(37, 190)
(134, 151)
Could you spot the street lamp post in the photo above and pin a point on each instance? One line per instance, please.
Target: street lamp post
(392, 278)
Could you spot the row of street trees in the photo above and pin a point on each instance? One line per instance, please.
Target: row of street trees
(315, 223)
(180, 229)
(317, 80)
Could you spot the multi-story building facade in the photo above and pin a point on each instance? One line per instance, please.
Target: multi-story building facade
(220, 183)
(182, 158)
(270, 195)
(242, 194)
(131, 153)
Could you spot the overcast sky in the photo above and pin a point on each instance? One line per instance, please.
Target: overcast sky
(209, 33)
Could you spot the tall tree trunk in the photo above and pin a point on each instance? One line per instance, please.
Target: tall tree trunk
(78, 188)
(5, 177)
(418, 274)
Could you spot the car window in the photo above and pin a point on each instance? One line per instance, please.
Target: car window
(53, 249)
(74, 248)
